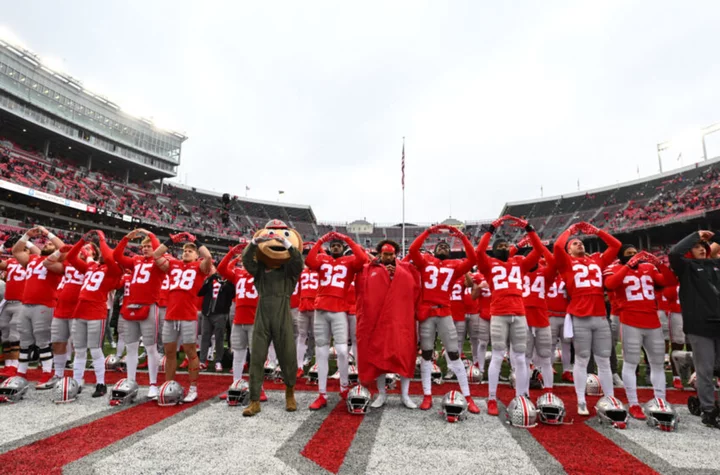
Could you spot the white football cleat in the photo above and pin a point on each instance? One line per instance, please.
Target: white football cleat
(408, 402)
(582, 409)
(191, 395)
(379, 401)
(153, 392)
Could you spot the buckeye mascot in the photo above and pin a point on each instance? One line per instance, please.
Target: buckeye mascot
(388, 292)
(275, 261)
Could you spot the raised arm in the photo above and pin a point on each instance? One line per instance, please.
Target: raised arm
(119, 252)
(54, 262)
(614, 245)
(483, 261)
(206, 265)
(74, 260)
(531, 259)
(360, 257)
(414, 252)
(228, 263)
(562, 258)
(160, 251)
(107, 255)
(470, 258)
(613, 280)
(313, 260)
(53, 238)
(249, 261)
(22, 243)
(677, 258)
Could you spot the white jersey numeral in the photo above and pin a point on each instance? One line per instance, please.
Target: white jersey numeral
(333, 276)
(245, 288)
(182, 279)
(639, 288)
(583, 279)
(502, 280)
(434, 274)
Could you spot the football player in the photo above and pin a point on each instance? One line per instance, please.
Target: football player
(181, 321)
(438, 272)
(583, 278)
(633, 282)
(335, 272)
(90, 316)
(557, 303)
(677, 336)
(246, 302)
(504, 274)
(477, 298)
(39, 299)
(10, 314)
(141, 304)
(309, 284)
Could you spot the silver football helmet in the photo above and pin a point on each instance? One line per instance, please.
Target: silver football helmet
(111, 362)
(65, 390)
(391, 380)
(454, 406)
(536, 379)
(171, 393)
(683, 363)
(238, 393)
(353, 376)
(662, 415)
(521, 412)
(611, 411)
(358, 400)
(436, 374)
(124, 392)
(551, 409)
(593, 387)
(269, 369)
(474, 375)
(13, 389)
(313, 374)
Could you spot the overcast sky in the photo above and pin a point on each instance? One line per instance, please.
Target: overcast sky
(313, 98)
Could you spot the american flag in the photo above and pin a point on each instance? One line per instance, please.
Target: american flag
(402, 167)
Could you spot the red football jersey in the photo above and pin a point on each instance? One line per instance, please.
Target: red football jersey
(295, 297)
(246, 296)
(147, 279)
(126, 278)
(505, 279)
(584, 283)
(457, 304)
(99, 280)
(635, 293)
(309, 283)
(671, 295)
(535, 287)
(472, 306)
(164, 291)
(334, 276)
(186, 279)
(14, 280)
(351, 299)
(68, 292)
(40, 284)
(437, 277)
(663, 303)
(485, 300)
(556, 297)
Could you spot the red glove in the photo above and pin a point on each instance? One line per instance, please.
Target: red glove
(341, 236)
(498, 222)
(434, 229)
(637, 259)
(329, 236)
(189, 237)
(177, 238)
(654, 260)
(524, 242)
(517, 222)
(587, 228)
(238, 249)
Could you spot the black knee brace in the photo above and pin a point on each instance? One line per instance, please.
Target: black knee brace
(24, 355)
(427, 355)
(45, 353)
(453, 355)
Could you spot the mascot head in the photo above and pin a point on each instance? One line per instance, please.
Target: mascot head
(272, 253)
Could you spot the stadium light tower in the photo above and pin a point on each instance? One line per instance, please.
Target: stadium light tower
(691, 136)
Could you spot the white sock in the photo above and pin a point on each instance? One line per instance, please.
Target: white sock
(69, 351)
(322, 354)
(565, 356)
(630, 382)
(120, 346)
(405, 386)
(79, 364)
(59, 360)
(547, 372)
(23, 365)
(355, 352)
(98, 365)
(238, 363)
(605, 375)
(131, 361)
(458, 368)
(13, 363)
(153, 359)
(47, 365)
(342, 362)
(426, 375)
(301, 345)
(580, 377)
(482, 348)
(381, 384)
(494, 372)
(522, 378)
(657, 378)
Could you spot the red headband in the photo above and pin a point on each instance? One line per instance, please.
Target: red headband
(387, 248)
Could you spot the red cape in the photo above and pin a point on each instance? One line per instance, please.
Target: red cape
(386, 321)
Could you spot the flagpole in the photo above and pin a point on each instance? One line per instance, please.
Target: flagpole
(403, 198)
